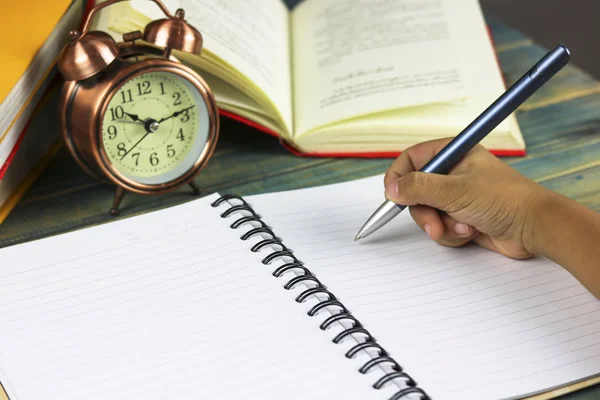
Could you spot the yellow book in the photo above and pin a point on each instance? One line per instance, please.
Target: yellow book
(37, 148)
(32, 34)
(343, 77)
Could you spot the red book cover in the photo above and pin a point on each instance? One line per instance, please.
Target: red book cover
(293, 150)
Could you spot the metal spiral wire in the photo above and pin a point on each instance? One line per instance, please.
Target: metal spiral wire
(305, 275)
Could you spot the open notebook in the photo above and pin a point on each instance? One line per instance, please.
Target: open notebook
(174, 304)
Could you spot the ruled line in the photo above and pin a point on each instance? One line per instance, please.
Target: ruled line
(417, 277)
(462, 335)
(479, 300)
(126, 246)
(521, 332)
(120, 293)
(586, 294)
(485, 289)
(495, 350)
(95, 271)
(448, 287)
(245, 296)
(536, 372)
(435, 321)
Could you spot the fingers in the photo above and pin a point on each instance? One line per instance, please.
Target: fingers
(429, 220)
(506, 248)
(414, 158)
(403, 185)
(442, 228)
(456, 233)
(448, 193)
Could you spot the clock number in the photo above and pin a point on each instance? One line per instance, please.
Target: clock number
(121, 148)
(177, 97)
(137, 158)
(186, 116)
(162, 88)
(154, 159)
(126, 96)
(117, 113)
(180, 135)
(170, 151)
(112, 132)
(145, 86)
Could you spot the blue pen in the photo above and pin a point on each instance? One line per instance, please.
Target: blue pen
(505, 105)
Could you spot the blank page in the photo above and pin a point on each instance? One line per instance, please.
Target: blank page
(466, 323)
(170, 304)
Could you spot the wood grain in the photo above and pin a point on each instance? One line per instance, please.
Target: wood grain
(560, 123)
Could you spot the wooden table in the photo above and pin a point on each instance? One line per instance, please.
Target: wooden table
(560, 123)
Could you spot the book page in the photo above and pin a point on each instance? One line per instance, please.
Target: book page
(395, 131)
(464, 323)
(252, 37)
(356, 57)
(170, 304)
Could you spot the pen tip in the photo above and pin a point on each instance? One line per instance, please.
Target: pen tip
(357, 238)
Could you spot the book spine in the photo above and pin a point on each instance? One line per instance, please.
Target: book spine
(379, 357)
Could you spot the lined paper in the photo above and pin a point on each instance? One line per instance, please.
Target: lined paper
(465, 323)
(171, 304)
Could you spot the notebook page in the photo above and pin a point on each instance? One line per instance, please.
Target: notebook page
(465, 323)
(170, 304)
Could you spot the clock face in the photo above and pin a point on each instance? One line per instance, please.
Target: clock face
(155, 127)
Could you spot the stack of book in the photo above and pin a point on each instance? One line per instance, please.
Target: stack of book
(32, 35)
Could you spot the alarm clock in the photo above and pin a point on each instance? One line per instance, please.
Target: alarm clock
(131, 113)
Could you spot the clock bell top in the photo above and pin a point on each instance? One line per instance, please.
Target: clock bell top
(89, 52)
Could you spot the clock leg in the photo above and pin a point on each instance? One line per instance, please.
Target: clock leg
(117, 201)
(195, 188)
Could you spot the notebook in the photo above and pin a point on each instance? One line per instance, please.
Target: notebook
(342, 77)
(268, 296)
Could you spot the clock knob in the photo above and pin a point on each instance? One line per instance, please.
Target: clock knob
(87, 55)
(174, 33)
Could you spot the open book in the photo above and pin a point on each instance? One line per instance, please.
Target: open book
(343, 77)
(191, 302)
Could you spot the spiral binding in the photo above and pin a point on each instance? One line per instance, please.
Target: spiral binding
(306, 275)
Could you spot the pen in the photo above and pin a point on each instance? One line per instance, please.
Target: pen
(454, 151)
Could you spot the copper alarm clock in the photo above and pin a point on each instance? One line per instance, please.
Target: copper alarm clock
(131, 113)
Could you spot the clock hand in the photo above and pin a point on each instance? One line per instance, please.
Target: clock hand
(126, 121)
(151, 126)
(176, 113)
(134, 117)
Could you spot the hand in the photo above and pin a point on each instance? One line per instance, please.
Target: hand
(481, 200)
(175, 114)
(150, 126)
(134, 117)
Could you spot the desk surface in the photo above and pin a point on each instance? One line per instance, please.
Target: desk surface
(560, 123)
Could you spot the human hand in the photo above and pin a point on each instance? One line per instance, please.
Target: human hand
(482, 199)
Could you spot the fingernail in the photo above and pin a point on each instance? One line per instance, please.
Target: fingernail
(461, 229)
(391, 189)
(428, 229)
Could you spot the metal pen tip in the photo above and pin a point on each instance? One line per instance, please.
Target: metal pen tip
(357, 238)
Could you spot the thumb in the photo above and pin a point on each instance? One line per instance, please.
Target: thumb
(444, 192)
